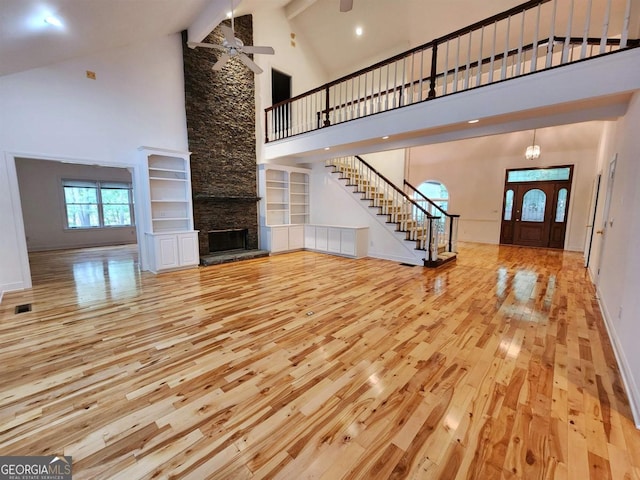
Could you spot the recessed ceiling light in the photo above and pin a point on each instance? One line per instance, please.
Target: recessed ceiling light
(51, 20)
(385, 137)
(327, 148)
(473, 121)
(229, 14)
(359, 31)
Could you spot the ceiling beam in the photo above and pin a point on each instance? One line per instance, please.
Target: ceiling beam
(296, 7)
(210, 17)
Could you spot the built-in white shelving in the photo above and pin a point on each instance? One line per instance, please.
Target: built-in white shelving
(168, 226)
(284, 206)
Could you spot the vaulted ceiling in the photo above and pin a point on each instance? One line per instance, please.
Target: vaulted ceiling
(88, 26)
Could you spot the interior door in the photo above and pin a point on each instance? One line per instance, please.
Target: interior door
(533, 205)
(281, 91)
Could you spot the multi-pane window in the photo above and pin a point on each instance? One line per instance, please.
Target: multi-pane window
(95, 204)
(437, 193)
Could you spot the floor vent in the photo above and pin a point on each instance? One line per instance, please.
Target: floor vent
(23, 308)
(407, 265)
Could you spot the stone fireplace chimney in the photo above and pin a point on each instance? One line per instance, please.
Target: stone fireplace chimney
(220, 108)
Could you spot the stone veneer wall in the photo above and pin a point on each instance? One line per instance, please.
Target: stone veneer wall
(220, 109)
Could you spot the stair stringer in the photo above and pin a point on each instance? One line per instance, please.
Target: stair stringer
(388, 243)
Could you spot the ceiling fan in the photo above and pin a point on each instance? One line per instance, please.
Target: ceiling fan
(232, 47)
(346, 5)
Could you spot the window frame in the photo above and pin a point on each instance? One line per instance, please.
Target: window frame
(437, 200)
(99, 185)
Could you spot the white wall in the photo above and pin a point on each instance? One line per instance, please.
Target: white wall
(271, 27)
(56, 113)
(473, 171)
(333, 204)
(43, 209)
(619, 279)
(391, 164)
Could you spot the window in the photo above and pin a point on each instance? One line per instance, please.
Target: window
(561, 206)
(539, 174)
(437, 193)
(96, 204)
(508, 205)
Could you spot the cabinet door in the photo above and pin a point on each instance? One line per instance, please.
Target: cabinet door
(310, 237)
(348, 242)
(296, 237)
(279, 239)
(322, 238)
(188, 249)
(334, 240)
(166, 251)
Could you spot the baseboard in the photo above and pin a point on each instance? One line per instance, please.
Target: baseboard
(625, 371)
(396, 258)
(10, 287)
(72, 246)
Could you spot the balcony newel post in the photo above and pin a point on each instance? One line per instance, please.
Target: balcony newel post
(327, 122)
(434, 67)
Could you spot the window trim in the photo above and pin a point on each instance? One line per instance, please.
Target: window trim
(552, 167)
(98, 185)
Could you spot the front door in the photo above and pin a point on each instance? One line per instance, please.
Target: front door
(535, 207)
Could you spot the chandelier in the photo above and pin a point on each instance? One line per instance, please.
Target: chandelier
(533, 150)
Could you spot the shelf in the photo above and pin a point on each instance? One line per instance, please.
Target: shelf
(286, 193)
(168, 219)
(170, 201)
(168, 179)
(174, 170)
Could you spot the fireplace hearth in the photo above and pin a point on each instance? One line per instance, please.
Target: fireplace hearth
(229, 245)
(229, 239)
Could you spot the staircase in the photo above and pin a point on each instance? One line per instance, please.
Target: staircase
(434, 237)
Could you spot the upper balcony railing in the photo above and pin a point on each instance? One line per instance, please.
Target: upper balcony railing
(535, 36)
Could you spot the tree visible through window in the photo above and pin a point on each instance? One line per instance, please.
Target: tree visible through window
(95, 204)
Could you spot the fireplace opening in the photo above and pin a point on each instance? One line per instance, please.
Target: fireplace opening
(227, 240)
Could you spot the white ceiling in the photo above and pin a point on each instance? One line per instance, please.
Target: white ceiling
(390, 26)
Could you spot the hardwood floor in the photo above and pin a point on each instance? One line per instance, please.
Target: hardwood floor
(307, 365)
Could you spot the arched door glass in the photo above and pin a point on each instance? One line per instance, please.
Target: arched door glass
(533, 206)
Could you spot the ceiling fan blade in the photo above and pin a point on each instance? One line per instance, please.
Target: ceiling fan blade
(255, 49)
(229, 35)
(222, 61)
(249, 63)
(207, 45)
(346, 5)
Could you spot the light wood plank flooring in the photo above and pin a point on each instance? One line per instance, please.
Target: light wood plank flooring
(307, 365)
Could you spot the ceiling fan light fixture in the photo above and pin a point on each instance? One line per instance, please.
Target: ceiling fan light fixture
(233, 47)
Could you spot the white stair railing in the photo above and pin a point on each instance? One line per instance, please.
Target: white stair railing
(417, 223)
